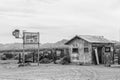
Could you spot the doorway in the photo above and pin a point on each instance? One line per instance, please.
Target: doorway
(97, 55)
(99, 49)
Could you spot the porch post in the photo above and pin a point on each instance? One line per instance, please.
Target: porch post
(33, 57)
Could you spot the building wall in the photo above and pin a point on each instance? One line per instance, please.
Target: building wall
(83, 56)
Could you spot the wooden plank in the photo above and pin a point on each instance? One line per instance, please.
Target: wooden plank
(96, 55)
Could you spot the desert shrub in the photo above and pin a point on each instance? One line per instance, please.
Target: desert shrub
(45, 60)
(3, 57)
(9, 56)
(65, 60)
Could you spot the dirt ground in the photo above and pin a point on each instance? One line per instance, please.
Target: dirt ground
(10, 71)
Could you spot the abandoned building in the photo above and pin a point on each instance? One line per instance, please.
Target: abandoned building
(89, 49)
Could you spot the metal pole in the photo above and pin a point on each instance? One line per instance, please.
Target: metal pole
(38, 47)
(23, 50)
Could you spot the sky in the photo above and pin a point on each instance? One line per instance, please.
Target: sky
(59, 19)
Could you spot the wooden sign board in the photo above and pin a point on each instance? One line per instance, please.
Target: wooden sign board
(30, 38)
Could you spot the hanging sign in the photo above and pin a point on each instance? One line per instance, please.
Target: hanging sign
(16, 33)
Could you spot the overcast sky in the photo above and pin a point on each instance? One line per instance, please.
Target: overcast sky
(60, 19)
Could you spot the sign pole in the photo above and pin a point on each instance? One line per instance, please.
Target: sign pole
(38, 53)
(23, 50)
(38, 47)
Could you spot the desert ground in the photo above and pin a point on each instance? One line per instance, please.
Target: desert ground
(9, 70)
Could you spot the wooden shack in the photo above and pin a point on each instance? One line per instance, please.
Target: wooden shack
(87, 49)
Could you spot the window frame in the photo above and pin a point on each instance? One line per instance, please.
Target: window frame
(86, 51)
(76, 51)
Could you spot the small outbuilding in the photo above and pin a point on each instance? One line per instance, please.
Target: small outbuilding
(90, 49)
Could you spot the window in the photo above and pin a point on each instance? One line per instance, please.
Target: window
(107, 49)
(75, 50)
(86, 50)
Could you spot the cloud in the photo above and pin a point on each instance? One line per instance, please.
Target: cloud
(57, 19)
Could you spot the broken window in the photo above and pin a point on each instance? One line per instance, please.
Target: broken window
(75, 50)
(86, 50)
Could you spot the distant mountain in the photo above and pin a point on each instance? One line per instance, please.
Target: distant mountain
(11, 46)
(61, 42)
(14, 46)
(53, 45)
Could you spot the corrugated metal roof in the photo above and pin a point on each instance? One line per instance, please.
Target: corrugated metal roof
(95, 39)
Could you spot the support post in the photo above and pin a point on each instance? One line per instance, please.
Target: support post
(19, 58)
(23, 55)
(38, 54)
(70, 53)
(33, 56)
(38, 48)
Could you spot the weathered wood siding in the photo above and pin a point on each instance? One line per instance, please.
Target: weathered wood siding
(84, 57)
